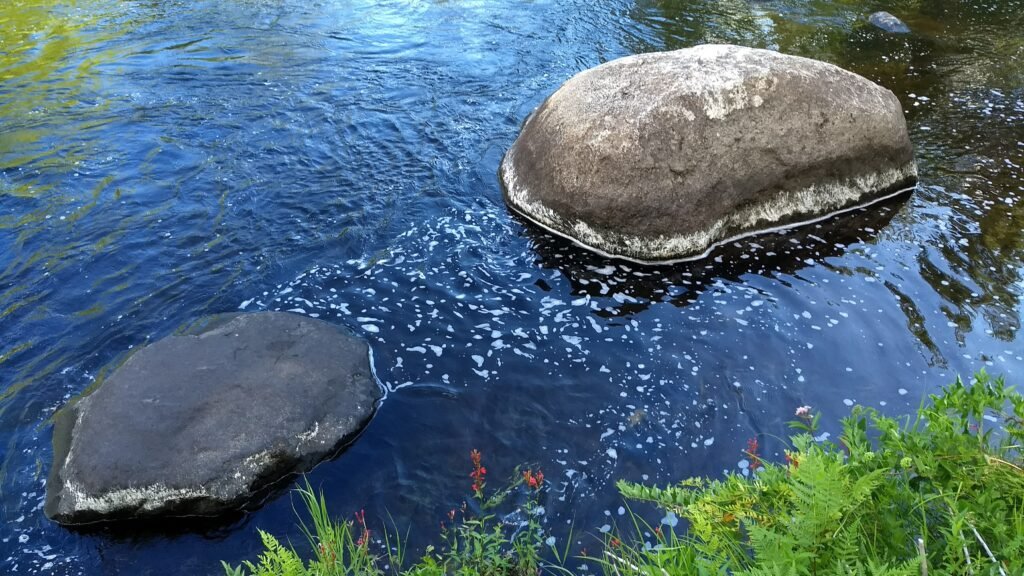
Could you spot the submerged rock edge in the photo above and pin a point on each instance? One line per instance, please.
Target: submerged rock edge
(807, 206)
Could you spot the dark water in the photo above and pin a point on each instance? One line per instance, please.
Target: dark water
(163, 160)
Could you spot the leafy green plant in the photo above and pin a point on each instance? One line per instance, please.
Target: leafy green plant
(483, 544)
(339, 547)
(942, 493)
(474, 543)
(937, 493)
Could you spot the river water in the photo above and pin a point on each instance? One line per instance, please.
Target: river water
(163, 160)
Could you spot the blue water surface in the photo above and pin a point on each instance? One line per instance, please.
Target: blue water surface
(164, 160)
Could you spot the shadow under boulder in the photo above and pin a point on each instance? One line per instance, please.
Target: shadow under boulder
(775, 255)
(200, 423)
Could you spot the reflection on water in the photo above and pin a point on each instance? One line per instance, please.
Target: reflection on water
(160, 161)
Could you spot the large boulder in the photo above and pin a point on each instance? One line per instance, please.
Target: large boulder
(660, 156)
(199, 423)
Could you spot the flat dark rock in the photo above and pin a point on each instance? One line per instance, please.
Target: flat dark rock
(199, 423)
(661, 156)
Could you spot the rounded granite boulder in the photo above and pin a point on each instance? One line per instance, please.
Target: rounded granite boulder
(660, 156)
(198, 423)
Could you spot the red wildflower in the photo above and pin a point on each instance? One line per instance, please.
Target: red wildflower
(478, 473)
(755, 459)
(326, 552)
(535, 481)
(364, 536)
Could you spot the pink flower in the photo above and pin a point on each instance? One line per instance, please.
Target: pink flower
(803, 411)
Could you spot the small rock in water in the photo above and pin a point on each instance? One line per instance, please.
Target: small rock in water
(888, 22)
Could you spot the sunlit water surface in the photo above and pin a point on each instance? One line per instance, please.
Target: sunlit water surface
(160, 161)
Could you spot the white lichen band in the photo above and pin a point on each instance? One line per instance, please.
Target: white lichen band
(155, 496)
(138, 498)
(142, 498)
(825, 199)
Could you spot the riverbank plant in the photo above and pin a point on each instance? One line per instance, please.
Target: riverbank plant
(937, 493)
(474, 539)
